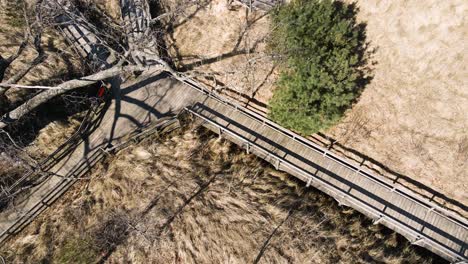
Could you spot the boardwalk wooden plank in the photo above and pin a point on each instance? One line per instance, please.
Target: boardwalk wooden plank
(366, 193)
(398, 209)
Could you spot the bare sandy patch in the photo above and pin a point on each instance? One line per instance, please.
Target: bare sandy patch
(413, 115)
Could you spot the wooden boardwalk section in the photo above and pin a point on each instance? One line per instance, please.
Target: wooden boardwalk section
(420, 221)
(135, 111)
(154, 96)
(143, 105)
(82, 39)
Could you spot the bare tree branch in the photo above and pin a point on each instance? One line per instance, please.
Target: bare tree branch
(7, 85)
(45, 96)
(5, 63)
(41, 56)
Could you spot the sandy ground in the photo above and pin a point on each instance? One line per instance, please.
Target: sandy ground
(193, 198)
(411, 118)
(224, 46)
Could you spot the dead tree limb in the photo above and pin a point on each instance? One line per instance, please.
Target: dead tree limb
(5, 63)
(45, 96)
(41, 56)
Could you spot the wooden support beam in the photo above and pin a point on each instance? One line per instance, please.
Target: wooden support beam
(377, 221)
(309, 182)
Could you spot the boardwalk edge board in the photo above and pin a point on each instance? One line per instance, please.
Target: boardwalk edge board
(420, 220)
(417, 237)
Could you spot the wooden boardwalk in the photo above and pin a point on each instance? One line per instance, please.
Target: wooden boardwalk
(419, 220)
(155, 96)
(82, 39)
(134, 110)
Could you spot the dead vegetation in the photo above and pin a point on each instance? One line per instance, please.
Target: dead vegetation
(412, 117)
(60, 60)
(409, 124)
(192, 197)
(223, 45)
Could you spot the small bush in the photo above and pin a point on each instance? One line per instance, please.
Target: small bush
(14, 13)
(98, 242)
(322, 49)
(78, 250)
(112, 231)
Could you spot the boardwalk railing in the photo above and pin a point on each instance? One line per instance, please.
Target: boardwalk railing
(85, 127)
(163, 125)
(416, 236)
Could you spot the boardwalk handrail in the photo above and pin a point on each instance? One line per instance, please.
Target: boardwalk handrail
(163, 125)
(340, 194)
(82, 129)
(311, 145)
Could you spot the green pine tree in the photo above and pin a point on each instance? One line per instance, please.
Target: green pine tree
(324, 49)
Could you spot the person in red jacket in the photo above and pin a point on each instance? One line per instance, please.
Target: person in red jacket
(103, 89)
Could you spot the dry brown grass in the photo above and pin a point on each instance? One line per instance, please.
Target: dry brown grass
(224, 46)
(193, 198)
(53, 135)
(10, 170)
(415, 108)
(411, 118)
(110, 7)
(61, 60)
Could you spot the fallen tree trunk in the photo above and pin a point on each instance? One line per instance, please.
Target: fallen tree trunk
(45, 96)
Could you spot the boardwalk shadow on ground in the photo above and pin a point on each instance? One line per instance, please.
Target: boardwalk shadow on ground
(110, 125)
(387, 206)
(431, 194)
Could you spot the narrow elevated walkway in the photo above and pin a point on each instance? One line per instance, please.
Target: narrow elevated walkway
(154, 96)
(80, 36)
(134, 109)
(420, 221)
